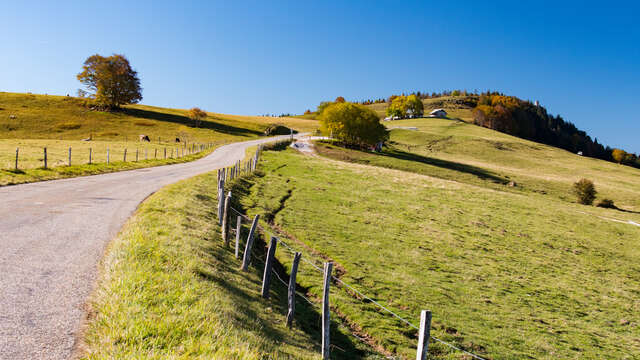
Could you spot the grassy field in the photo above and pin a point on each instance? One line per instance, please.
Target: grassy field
(31, 122)
(507, 274)
(170, 289)
(455, 150)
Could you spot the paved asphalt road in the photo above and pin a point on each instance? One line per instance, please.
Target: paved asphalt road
(52, 236)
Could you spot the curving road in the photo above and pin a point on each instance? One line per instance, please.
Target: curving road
(52, 236)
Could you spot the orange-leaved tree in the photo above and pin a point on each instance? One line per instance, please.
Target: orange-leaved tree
(618, 155)
(197, 115)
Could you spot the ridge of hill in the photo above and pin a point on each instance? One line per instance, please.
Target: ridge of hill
(524, 119)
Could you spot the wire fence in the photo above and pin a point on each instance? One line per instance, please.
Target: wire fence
(353, 291)
(30, 155)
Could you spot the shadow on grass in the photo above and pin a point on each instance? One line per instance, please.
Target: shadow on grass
(451, 165)
(183, 120)
(365, 157)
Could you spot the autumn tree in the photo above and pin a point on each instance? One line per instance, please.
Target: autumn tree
(110, 81)
(618, 155)
(414, 105)
(339, 99)
(323, 105)
(398, 107)
(353, 124)
(197, 115)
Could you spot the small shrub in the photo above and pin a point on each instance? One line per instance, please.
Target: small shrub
(585, 191)
(278, 129)
(607, 203)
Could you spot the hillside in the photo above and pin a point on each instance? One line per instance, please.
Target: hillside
(459, 151)
(508, 273)
(31, 122)
(517, 117)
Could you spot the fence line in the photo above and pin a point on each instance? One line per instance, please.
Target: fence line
(424, 330)
(47, 160)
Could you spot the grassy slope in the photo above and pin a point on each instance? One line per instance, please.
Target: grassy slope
(59, 122)
(464, 152)
(170, 289)
(508, 275)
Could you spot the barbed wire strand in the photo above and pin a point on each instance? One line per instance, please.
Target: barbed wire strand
(372, 300)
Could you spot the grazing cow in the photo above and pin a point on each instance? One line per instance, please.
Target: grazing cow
(177, 140)
(145, 138)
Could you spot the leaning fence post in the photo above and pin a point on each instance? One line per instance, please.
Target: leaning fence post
(155, 154)
(69, 156)
(16, 159)
(90, 156)
(246, 258)
(325, 311)
(238, 231)
(125, 155)
(45, 158)
(291, 294)
(268, 265)
(425, 334)
(225, 220)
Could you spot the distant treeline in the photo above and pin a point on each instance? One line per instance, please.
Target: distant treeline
(526, 120)
(421, 95)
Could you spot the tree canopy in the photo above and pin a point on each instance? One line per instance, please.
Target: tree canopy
(401, 106)
(353, 124)
(197, 115)
(111, 81)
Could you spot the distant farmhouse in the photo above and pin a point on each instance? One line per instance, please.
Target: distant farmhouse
(439, 113)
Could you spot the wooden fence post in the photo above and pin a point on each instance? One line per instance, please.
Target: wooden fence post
(325, 311)
(291, 294)
(425, 334)
(69, 156)
(136, 155)
(155, 153)
(246, 258)
(268, 265)
(225, 220)
(45, 158)
(238, 231)
(172, 153)
(125, 155)
(165, 153)
(16, 159)
(220, 205)
(90, 156)
(107, 155)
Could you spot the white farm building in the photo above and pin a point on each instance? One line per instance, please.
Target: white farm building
(438, 113)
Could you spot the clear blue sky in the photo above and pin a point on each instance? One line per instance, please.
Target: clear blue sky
(579, 59)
